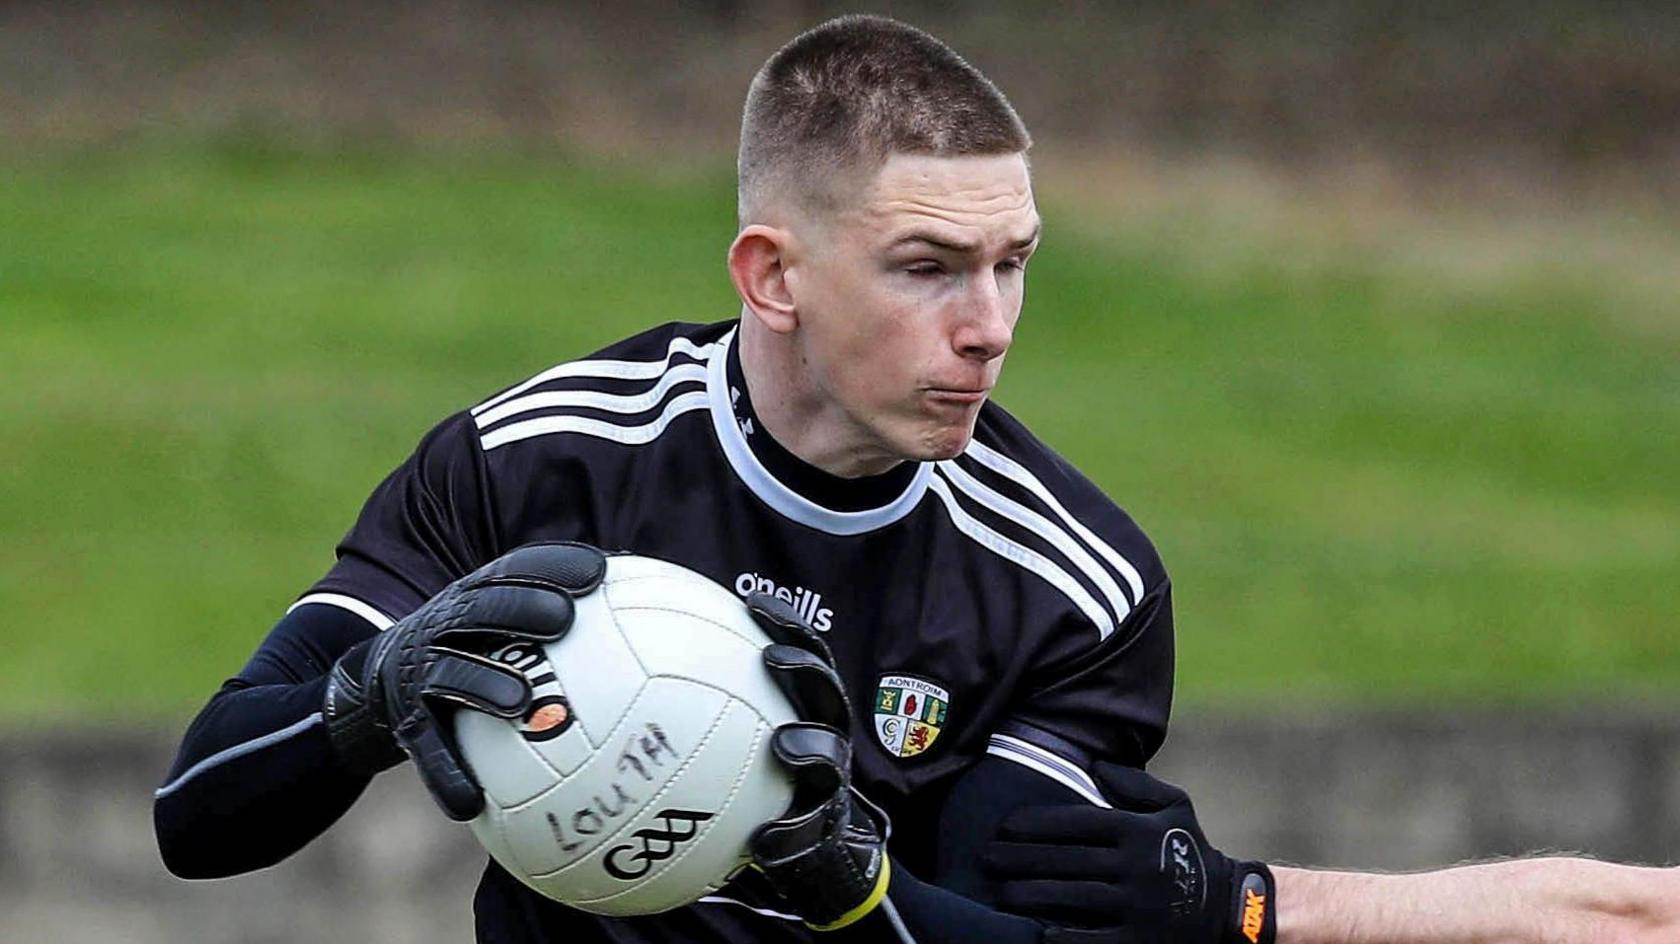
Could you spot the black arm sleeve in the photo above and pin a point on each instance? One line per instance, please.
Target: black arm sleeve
(255, 778)
(954, 911)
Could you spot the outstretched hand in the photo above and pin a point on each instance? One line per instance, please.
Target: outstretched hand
(1142, 866)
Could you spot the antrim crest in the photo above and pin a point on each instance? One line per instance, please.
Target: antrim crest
(909, 713)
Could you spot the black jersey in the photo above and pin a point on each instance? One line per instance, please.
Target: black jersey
(996, 603)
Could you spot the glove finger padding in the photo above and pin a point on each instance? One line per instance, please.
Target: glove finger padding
(477, 682)
(500, 613)
(782, 622)
(810, 683)
(801, 663)
(565, 566)
(458, 680)
(818, 757)
(449, 781)
(826, 857)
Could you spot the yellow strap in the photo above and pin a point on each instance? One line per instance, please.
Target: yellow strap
(875, 897)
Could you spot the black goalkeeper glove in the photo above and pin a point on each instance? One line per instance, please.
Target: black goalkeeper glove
(387, 697)
(827, 856)
(1143, 867)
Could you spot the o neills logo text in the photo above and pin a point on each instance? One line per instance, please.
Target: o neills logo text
(808, 603)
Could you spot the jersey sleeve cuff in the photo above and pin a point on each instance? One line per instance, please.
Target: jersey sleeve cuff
(367, 611)
(1053, 757)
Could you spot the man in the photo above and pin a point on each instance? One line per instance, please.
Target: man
(977, 628)
(834, 445)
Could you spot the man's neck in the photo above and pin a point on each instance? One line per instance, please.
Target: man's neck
(795, 416)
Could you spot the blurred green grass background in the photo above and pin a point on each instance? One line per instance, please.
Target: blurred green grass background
(1373, 486)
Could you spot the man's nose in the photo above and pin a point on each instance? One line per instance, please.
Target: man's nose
(987, 325)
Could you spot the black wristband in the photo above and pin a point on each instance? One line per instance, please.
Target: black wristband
(363, 745)
(1253, 904)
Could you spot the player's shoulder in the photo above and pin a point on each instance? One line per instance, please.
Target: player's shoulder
(681, 339)
(1007, 459)
(642, 356)
(637, 384)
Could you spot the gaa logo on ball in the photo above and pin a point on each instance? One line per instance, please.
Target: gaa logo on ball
(643, 766)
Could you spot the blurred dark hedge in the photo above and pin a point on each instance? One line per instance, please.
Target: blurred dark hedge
(1554, 90)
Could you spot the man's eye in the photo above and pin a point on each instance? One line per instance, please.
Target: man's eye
(1012, 265)
(924, 268)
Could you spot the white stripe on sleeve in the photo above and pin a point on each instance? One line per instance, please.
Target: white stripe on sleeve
(612, 369)
(237, 751)
(720, 900)
(1059, 769)
(592, 399)
(600, 429)
(379, 620)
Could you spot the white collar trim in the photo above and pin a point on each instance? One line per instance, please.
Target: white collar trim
(785, 501)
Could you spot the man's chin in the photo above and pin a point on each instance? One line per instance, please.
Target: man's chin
(945, 444)
(949, 452)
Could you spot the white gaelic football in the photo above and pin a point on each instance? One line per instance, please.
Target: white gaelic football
(644, 765)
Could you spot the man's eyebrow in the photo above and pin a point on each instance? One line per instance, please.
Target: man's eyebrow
(959, 246)
(937, 242)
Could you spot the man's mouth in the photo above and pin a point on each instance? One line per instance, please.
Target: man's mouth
(955, 395)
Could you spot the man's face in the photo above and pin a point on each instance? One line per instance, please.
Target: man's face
(907, 298)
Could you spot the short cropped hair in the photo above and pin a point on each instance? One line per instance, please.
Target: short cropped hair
(844, 96)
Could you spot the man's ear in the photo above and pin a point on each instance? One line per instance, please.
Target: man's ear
(757, 266)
